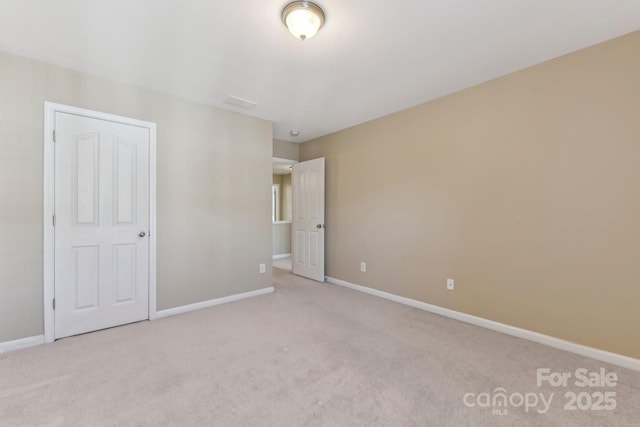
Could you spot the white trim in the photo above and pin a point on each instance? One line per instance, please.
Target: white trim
(152, 220)
(280, 222)
(212, 302)
(594, 353)
(50, 109)
(282, 256)
(275, 202)
(21, 343)
(48, 230)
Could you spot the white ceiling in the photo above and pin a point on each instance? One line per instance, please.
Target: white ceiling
(371, 58)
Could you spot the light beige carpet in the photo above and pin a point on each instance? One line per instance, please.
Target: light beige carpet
(310, 354)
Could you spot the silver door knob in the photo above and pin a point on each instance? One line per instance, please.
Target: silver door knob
(320, 226)
(142, 234)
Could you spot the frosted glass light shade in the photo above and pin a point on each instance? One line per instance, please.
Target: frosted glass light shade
(303, 19)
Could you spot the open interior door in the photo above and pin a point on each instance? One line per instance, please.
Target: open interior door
(308, 219)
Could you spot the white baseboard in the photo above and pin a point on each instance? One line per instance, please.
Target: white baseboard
(594, 353)
(39, 339)
(211, 303)
(21, 343)
(281, 256)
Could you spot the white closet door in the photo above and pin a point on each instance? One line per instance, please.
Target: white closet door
(102, 224)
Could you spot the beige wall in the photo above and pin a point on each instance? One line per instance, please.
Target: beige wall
(524, 189)
(286, 193)
(285, 149)
(282, 238)
(213, 190)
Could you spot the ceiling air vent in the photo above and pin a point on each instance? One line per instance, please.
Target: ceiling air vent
(239, 102)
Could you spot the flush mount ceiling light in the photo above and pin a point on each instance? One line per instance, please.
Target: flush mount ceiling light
(303, 19)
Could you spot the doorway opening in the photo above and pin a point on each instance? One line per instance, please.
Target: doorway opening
(282, 212)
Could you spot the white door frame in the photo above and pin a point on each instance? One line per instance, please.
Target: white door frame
(50, 109)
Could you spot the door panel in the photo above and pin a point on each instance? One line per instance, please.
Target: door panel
(86, 165)
(308, 219)
(124, 272)
(101, 205)
(314, 260)
(85, 277)
(125, 182)
(299, 247)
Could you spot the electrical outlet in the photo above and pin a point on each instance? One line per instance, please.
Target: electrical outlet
(363, 267)
(451, 285)
(263, 268)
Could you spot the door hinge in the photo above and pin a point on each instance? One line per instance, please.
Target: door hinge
(54, 220)
(54, 135)
(54, 303)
